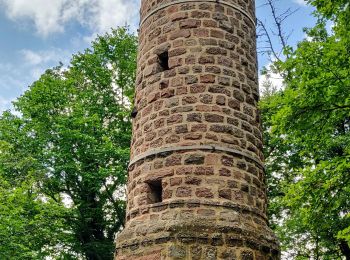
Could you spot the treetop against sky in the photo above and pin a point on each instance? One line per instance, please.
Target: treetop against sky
(36, 36)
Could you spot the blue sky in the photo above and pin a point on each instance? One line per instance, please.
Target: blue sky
(38, 34)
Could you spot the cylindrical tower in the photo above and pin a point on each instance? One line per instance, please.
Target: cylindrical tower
(196, 187)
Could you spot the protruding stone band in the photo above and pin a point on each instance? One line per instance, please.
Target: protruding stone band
(194, 147)
(174, 2)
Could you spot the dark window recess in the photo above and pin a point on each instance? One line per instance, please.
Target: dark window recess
(155, 191)
(163, 60)
(134, 112)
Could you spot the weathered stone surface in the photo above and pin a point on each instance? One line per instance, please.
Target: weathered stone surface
(196, 87)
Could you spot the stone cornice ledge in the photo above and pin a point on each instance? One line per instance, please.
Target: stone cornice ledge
(213, 148)
(174, 2)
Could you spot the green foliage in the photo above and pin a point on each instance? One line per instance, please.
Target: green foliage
(308, 129)
(69, 150)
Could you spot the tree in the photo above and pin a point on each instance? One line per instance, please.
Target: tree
(30, 225)
(75, 132)
(308, 130)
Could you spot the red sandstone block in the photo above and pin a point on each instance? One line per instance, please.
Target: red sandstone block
(204, 193)
(200, 14)
(235, 104)
(191, 59)
(175, 62)
(206, 60)
(191, 79)
(183, 192)
(213, 69)
(203, 108)
(164, 84)
(199, 128)
(159, 123)
(211, 137)
(224, 81)
(225, 194)
(167, 194)
(181, 90)
(190, 23)
(183, 70)
(177, 81)
(208, 41)
(164, 131)
(206, 98)
(172, 9)
(197, 69)
(216, 51)
(217, 34)
(178, 43)
(213, 118)
(208, 78)
(153, 97)
(194, 117)
(193, 136)
(167, 93)
(204, 170)
(182, 109)
(210, 23)
(181, 129)
(185, 170)
(197, 88)
(169, 73)
(193, 180)
(212, 159)
(221, 100)
(173, 160)
(189, 100)
(150, 136)
(179, 16)
(175, 181)
(172, 139)
(180, 34)
(158, 105)
(201, 32)
(225, 61)
(157, 143)
(177, 52)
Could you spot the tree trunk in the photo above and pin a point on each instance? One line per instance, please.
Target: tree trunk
(345, 249)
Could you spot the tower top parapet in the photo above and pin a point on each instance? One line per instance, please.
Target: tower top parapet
(149, 7)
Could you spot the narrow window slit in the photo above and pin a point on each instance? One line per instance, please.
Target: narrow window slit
(163, 60)
(156, 191)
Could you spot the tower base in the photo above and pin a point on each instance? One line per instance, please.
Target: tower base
(187, 236)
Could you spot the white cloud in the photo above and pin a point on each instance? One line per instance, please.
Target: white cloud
(36, 62)
(46, 17)
(301, 2)
(12, 83)
(44, 57)
(275, 79)
(51, 16)
(109, 13)
(9, 76)
(4, 104)
(15, 78)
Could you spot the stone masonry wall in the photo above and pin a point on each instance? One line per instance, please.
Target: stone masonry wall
(196, 187)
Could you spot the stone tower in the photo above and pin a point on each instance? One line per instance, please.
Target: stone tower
(196, 187)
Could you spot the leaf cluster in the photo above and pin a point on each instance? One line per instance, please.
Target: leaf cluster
(308, 140)
(70, 149)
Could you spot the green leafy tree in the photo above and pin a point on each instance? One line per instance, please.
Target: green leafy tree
(31, 225)
(75, 136)
(307, 127)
